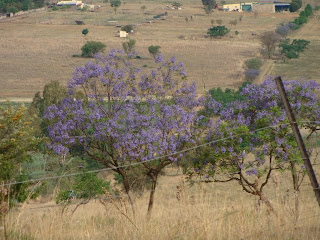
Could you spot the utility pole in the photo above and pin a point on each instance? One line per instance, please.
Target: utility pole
(296, 131)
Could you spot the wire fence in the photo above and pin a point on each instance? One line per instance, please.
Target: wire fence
(145, 161)
(227, 215)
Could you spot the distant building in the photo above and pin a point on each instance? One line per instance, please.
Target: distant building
(263, 6)
(70, 3)
(123, 34)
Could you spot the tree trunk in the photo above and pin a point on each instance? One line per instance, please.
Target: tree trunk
(295, 180)
(4, 226)
(127, 189)
(263, 199)
(152, 192)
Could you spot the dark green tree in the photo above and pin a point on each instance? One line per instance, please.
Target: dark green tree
(85, 31)
(12, 9)
(294, 6)
(127, 28)
(115, 4)
(308, 10)
(292, 50)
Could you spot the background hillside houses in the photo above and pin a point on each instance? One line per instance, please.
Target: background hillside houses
(263, 6)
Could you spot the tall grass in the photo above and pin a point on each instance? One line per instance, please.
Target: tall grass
(213, 211)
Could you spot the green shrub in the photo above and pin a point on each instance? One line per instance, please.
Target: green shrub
(253, 63)
(218, 31)
(154, 50)
(86, 186)
(224, 97)
(91, 48)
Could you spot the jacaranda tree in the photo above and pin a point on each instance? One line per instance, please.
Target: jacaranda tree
(128, 117)
(258, 136)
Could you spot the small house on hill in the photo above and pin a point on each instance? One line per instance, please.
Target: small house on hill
(123, 34)
(69, 3)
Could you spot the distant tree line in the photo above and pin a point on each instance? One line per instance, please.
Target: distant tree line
(18, 5)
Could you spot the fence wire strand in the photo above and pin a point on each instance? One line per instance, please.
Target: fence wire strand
(134, 164)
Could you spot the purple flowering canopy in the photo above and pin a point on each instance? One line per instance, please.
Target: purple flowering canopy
(128, 115)
(260, 139)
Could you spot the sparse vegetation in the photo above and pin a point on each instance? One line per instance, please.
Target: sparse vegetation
(234, 22)
(219, 21)
(127, 28)
(128, 47)
(269, 41)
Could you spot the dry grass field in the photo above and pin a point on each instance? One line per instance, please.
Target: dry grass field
(38, 48)
(206, 211)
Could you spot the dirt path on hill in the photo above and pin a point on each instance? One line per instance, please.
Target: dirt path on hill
(269, 64)
(266, 69)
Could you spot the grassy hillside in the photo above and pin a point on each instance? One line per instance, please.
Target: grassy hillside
(38, 48)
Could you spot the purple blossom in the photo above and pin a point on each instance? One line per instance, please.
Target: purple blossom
(127, 111)
(159, 58)
(252, 172)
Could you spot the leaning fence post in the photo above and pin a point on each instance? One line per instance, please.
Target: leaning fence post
(296, 131)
